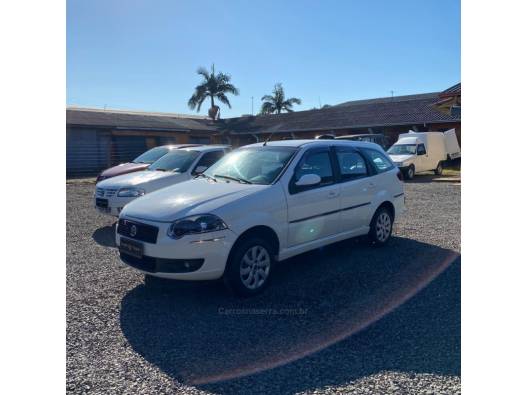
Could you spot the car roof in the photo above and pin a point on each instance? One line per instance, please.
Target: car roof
(176, 146)
(409, 140)
(360, 135)
(317, 143)
(205, 148)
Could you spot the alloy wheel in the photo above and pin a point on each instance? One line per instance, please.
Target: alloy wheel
(254, 267)
(383, 227)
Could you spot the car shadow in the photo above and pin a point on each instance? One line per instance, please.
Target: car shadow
(330, 316)
(105, 236)
(427, 178)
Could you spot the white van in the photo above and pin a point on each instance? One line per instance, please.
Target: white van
(418, 152)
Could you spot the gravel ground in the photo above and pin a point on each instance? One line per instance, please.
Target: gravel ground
(347, 318)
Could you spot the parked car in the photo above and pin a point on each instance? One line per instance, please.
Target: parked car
(371, 138)
(260, 204)
(418, 152)
(175, 166)
(141, 162)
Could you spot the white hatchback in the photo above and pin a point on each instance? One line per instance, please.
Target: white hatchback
(261, 204)
(176, 166)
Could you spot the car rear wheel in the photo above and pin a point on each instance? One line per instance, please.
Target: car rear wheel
(439, 169)
(249, 268)
(381, 226)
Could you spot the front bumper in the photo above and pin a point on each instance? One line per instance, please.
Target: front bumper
(192, 257)
(402, 167)
(114, 204)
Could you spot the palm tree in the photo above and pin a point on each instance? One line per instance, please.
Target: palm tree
(277, 102)
(213, 86)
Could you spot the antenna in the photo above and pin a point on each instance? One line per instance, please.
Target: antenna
(271, 135)
(267, 139)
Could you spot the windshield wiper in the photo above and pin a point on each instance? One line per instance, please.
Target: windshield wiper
(206, 176)
(240, 180)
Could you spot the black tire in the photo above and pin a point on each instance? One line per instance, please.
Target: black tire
(439, 169)
(410, 172)
(379, 237)
(233, 277)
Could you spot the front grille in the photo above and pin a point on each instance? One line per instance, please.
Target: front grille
(138, 231)
(162, 265)
(110, 192)
(105, 192)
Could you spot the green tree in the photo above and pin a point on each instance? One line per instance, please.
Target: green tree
(276, 103)
(213, 86)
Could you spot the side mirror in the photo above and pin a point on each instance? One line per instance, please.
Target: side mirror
(420, 153)
(308, 180)
(200, 169)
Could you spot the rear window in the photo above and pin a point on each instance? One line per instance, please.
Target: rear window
(379, 160)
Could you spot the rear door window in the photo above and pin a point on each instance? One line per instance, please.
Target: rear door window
(380, 162)
(351, 164)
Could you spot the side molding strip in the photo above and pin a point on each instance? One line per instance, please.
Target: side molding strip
(329, 213)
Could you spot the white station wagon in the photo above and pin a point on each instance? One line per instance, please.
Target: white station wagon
(260, 204)
(177, 165)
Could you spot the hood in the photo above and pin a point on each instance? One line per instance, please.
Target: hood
(138, 178)
(401, 158)
(196, 196)
(123, 169)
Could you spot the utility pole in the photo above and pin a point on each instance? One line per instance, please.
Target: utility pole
(252, 105)
(392, 93)
(319, 103)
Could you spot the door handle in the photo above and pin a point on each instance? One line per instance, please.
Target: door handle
(333, 194)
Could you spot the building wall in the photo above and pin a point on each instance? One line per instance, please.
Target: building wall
(391, 132)
(91, 150)
(87, 151)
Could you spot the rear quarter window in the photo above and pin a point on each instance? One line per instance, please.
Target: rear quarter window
(380, 162)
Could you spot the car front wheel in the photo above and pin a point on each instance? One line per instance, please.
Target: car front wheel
(249, 267)
(381, 226)
(410, 172)
(439, 169)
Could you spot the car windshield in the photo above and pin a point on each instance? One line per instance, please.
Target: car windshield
(402, 149)
(254, 165)
(151, 155)
(176, 160)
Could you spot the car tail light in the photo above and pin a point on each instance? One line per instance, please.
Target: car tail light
(400, 175)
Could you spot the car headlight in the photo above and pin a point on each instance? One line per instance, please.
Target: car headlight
(130, 192)
(195, 224)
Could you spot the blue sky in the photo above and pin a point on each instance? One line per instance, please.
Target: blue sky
(143, 54)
